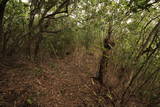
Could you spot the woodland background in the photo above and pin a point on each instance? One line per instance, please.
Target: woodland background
(55, 52)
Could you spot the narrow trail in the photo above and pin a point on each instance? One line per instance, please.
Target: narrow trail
(61, 84)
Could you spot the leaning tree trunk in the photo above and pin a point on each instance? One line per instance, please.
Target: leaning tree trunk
(107, 44)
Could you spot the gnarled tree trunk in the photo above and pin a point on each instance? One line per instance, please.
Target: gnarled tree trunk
(108, 44)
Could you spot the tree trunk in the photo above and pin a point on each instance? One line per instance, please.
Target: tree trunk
(2, 10)
(37, 46)
(2, 38)
(102, 69)
(107, 44)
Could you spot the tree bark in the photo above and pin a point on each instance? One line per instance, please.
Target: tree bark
(107, 44)
(37, 46)
(2, 10)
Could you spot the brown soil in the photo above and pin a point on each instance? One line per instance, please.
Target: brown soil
(58, 83)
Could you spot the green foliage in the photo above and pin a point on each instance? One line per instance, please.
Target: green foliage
(58, 27)
(29, 101)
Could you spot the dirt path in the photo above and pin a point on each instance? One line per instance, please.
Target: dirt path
(62, 83)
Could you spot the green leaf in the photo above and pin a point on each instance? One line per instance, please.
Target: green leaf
(29, 101)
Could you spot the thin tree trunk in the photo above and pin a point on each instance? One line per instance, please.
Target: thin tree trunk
(4, 44)
(30, 27)
(149, 38)
(37, 46)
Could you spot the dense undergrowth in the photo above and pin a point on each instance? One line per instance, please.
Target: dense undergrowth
(39, 31)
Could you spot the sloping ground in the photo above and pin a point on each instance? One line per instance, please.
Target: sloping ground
(60, 83)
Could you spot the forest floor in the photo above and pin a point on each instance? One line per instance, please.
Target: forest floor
(57, 83)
